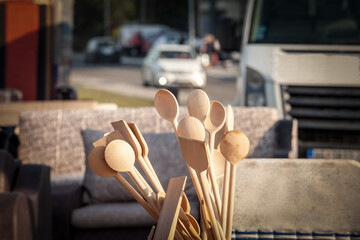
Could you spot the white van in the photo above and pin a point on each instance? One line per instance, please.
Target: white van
(303, 58)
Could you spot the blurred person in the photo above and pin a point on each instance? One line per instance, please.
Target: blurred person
(211, 47)
(137, 42)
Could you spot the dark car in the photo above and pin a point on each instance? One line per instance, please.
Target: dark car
(102, 49)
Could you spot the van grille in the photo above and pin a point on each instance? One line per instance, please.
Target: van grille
(327, 116)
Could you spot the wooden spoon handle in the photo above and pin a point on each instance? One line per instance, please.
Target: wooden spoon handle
(225, 198)
(215, 188)
(143, 189)
(205, 187)
(153, 195)
(148, 163)
(170, 211)
(231, 202)
(153, 213)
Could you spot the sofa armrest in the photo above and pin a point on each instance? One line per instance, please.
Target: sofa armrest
(286, 139)
(33, 180)
(65, 198)
(15, 223)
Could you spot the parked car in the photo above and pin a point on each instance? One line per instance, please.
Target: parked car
(173, 65)
(101, 49)
(129, 34)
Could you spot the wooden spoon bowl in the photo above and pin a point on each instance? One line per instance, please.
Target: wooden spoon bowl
(191, 127)
(120, 156)
(234, 146)
(98, 164)
(216, 118)
(166, 105)
(198, 104)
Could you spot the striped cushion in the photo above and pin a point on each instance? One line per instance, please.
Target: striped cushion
(294, 235)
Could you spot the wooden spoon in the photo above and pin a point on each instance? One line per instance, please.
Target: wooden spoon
(235, 147)
(192, 128)
(185, 205)
(98, 165)
(219, 164)
(167, 106)
(144, 149)
(214, 121)
(198, 104)
(196, 155)
(229, 126)
(120, 156)
(108, 137)
(130, 138)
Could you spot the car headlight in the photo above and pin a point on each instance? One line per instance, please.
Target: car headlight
(199, 79)
(162, 81)
(255, 89)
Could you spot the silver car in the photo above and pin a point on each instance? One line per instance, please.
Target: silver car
(173, 65)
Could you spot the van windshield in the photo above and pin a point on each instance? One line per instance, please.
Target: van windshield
(306, 22)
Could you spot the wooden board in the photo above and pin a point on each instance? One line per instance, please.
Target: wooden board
(170, 211)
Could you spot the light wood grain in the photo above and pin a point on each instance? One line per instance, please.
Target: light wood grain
(170, 210)
(235, 147)
(128, 135)
(198, 104)
(229, 126)
(167, 106)
(196, 155)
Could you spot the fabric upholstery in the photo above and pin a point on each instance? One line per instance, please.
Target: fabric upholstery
(164, 155)
(116, 215)
(297, 196)
(53, 137)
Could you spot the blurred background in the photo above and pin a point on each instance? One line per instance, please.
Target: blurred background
(300, 57)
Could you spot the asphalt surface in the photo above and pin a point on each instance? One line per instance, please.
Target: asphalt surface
(125, 78)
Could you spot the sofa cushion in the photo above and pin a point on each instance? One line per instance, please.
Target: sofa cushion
(53, 137)
(297, 195)
(164, 154)
(111, 215)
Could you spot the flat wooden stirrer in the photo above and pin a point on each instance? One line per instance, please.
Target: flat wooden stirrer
(170, 210)
(128, 135)
(197, 157)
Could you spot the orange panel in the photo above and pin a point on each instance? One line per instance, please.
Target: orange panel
(21, 36)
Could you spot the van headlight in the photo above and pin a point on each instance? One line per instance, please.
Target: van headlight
(255, 89)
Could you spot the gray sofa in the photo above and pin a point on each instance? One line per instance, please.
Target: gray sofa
(88, 207)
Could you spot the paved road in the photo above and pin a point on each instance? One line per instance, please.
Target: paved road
(126, 79)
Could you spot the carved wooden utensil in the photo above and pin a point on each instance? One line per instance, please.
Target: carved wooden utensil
(144, 148)
(99, 166)
(167, 106)
(170, 210)
(130, 138)
(229, 126)
(198, 104)
(120, 156)
(235, 147)
(196, 155)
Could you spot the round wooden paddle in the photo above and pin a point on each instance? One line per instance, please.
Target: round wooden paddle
(235, 147)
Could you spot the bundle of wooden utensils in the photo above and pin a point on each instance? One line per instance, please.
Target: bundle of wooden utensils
(116, 152)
